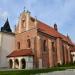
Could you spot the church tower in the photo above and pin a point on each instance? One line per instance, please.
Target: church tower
(6, 27)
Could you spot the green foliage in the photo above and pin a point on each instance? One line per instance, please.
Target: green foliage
(68, 65)
(30, 72)
(35, 71)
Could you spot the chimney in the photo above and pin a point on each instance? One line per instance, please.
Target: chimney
(55, 27)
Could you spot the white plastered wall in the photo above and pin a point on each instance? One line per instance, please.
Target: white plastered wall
(28, 59)
(73, 56)
(7, 45)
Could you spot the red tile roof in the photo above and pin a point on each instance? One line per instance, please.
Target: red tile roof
(51, 31)
(24, 52)
(47, 29)
(65, 38)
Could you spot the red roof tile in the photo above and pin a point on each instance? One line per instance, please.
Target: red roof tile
(47, 29)
(17, 53)
(51, 31)
(65, 38)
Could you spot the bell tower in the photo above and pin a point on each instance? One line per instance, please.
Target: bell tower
(6, 27)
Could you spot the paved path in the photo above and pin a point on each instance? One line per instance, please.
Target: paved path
(66, 72)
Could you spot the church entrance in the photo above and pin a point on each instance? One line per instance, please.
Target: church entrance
(23, 63)
(10, 63)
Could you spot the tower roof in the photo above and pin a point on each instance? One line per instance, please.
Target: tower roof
(6, 27)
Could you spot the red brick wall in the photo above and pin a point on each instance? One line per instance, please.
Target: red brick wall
(49, 57)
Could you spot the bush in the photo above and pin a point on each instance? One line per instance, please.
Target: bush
(36, 71)
(67, 65)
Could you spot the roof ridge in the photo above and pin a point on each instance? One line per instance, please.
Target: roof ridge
(54, 32)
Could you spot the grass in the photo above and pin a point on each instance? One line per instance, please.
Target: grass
(30, 72)
(35, 71)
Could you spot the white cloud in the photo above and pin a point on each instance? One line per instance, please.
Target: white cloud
(61, 12)
(3, 15)
(54, 10)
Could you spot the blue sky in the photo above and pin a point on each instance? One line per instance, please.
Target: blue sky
(61, 12)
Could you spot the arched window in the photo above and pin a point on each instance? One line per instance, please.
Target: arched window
(29, 43)
(23, 23)
(16, 63)
(66, 55)
(63, 54)
(53, 47)
(18, 45)
(23, 63)
(44, 45)
(10, 63)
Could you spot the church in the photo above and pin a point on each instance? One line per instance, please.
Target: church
(38, 45)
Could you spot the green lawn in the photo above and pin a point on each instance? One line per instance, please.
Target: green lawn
(35, 71)
(30, 72)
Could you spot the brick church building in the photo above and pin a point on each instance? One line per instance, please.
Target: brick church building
(38, 45)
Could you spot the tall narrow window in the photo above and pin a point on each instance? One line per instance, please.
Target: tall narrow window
(44, 45)
(18, 45)
(53, 47)
(29, 43)
(23, 23)
(63, 54)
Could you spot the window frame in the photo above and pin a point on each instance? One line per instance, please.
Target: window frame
(28, 43)
(18, 45)
(44, 45)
